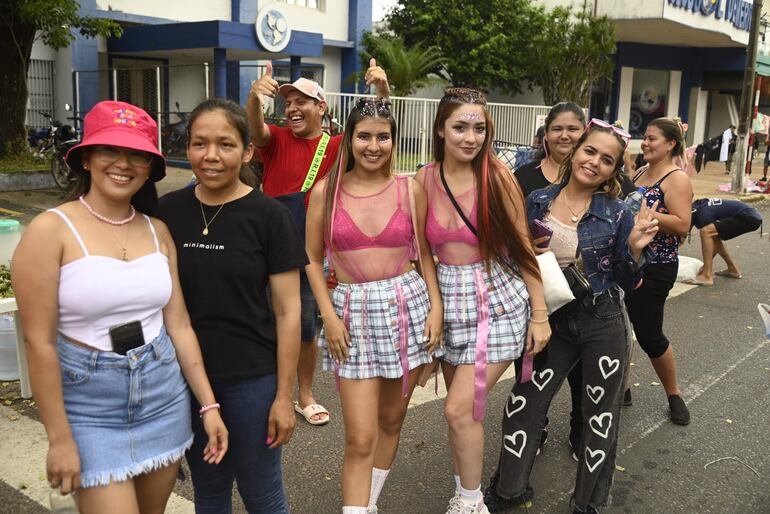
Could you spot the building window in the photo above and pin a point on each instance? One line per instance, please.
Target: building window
(649, 99)
(282, 73)
(312, 4)
(40, 102)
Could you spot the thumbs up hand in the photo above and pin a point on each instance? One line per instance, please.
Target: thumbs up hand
(265, 85)
(376, 75)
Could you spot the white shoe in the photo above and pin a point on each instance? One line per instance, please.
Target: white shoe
(458, 506)
(372, 510)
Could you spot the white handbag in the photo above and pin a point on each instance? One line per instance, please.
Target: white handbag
(555, 286)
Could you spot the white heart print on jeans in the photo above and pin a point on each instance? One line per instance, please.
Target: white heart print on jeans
(595, 393)
(608, 366)
(545, 373)
(510, 442)
(594, 458)
(597, 424)
(514, 401)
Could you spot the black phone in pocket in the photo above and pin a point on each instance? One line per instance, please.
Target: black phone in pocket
(126, 337)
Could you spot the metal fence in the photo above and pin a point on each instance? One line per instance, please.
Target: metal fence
(515, 125)
(160, 89)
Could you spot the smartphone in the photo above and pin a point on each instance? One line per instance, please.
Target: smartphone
(126, 337)
(540, 229)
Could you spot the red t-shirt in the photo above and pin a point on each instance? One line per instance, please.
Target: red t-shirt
(287, 159)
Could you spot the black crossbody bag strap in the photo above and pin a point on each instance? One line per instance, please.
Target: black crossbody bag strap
(454, 202)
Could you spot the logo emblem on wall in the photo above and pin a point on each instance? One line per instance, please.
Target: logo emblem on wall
(272, 27)
(649, 100)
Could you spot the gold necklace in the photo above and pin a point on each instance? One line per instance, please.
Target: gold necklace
(575, 215)
(206, 222)
(123, 246)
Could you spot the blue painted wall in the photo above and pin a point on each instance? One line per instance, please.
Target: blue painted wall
(692, 62)
(359, 21)
(85, 56)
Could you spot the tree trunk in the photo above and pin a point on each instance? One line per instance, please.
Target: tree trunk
(15, 48)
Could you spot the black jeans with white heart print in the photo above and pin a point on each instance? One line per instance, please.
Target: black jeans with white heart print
(592, 335)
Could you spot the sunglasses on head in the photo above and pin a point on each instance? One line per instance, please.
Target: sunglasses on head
(625, 136)
(371, 107)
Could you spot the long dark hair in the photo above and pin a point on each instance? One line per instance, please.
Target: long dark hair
(555, 111)
(364, 109)
(612, 187)
(145, 200)
(497, 192)
(236, 117)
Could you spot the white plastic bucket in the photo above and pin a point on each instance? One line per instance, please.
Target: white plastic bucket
(10, 234)
(9, 366)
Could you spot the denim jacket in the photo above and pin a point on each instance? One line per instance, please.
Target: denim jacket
(603, 239)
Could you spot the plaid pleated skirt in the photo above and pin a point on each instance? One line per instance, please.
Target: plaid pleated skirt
(506, 312)
(385, 320)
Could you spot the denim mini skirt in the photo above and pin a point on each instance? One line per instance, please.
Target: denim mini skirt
(129, 414)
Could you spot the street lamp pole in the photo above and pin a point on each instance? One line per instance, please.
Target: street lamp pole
(740, 163)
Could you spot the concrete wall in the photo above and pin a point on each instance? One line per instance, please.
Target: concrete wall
(719, 114)
(332, 21)
(181, 10)
(332, 63)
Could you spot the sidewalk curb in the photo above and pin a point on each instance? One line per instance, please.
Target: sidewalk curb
(26, 180)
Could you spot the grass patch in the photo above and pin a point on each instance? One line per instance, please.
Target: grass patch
(22, 162)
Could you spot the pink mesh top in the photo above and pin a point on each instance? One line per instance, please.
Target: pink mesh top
(372, 235)
(451, 240)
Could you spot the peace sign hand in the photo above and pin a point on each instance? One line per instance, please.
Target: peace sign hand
(644, 229)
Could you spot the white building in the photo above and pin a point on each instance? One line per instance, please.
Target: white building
(674, 58)
(179, 50)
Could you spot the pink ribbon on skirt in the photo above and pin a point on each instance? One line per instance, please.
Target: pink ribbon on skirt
(526, 368)
(403, 338)
(482, 336)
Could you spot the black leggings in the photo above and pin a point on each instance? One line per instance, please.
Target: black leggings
(646, 306)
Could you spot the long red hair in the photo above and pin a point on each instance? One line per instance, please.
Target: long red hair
(499, 197)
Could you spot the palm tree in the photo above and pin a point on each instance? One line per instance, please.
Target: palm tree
(408, 69)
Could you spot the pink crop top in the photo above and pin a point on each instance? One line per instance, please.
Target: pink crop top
(97, 292)
(386, 216)
(451, 240)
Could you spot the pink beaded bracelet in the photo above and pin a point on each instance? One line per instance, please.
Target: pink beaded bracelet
(207, 408)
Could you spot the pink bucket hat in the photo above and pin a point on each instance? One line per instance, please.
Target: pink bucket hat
(124, 125)
(305, 86)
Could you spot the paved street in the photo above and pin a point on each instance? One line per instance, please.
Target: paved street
(724, 370)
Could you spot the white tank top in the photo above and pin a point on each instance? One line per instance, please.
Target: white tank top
(97, 292)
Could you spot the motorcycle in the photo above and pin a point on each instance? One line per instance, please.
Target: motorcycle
(63, 137)
(174, 136)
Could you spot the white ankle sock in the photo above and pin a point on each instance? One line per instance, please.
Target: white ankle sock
(378, 481)
(470, 496)
(354, 510)
(457, 483)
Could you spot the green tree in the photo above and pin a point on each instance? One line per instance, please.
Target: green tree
(21, 23)
(408, 68)
(573, 51)
(485, 43)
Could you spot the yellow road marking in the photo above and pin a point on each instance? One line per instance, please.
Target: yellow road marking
(12, 213)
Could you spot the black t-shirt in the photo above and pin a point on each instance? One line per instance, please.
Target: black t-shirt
(531, 178)
(224, 276)
(709, 210)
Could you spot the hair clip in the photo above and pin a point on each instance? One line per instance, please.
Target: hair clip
(466, 95)
(370, 107)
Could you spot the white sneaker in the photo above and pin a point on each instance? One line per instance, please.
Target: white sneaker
(458, 506)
